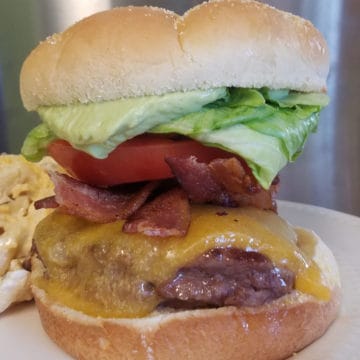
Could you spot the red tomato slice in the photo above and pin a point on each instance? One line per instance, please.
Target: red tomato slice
(138, 159)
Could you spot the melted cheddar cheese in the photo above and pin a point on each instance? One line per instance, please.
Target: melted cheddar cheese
(102, 271)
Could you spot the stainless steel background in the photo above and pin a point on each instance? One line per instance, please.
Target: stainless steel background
(327, 173)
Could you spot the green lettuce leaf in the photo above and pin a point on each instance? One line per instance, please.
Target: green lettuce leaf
(36, 142)
(287, 98)
(268, 128)
(255, 125)
(291, 126)
(264, 154)
(98, 128)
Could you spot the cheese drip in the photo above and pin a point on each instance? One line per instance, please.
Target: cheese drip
(101, 271)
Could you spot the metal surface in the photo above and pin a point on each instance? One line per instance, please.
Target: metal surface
(326, 174)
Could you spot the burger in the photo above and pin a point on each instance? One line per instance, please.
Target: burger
(165, 240)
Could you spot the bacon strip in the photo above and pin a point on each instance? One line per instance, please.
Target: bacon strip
(232, 176)
(46, 203)
(196, 179)
(138, 199)
(167, 215)
(242, 186)
(223, 182)
(96, 204)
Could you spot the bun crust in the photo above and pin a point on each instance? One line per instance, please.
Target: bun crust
(137, 51)
(284, 326)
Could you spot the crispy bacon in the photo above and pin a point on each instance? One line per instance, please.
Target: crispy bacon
(167, 215)
(232, 176)
(242, 186)
(223, 182)
(46, 203)
(137, 199)
(196, 179)
(96, 204)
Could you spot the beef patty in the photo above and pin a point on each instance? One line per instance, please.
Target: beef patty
(226, 276)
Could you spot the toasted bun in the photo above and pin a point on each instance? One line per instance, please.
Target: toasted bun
(283, 326)
(136, 51)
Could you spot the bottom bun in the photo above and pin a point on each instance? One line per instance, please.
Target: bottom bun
(273, 331)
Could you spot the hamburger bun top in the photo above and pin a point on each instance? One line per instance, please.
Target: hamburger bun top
(137, 51)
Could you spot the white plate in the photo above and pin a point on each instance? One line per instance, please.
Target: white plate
(21, 335)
